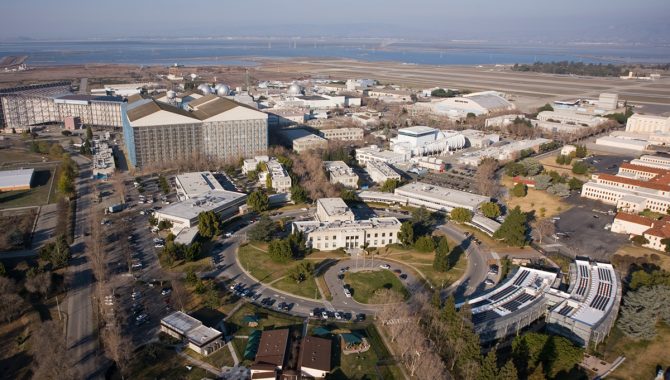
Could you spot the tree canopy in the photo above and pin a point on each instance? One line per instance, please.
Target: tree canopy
(209, 224)
(258, 201)
(490, 209)
(514, 229)
(424, 243)
(264, 229)
(460, 215)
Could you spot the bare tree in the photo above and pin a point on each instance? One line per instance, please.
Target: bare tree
(543, 227)
(118, 346)
(39, 283)
(50, 352)
(485, 177)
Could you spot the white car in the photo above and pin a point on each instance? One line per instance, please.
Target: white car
(159, 245)
(338, 316)
(385, 266)
(324, 315)
(347, 293)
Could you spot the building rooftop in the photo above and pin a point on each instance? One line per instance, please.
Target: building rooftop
(180, 322)
(440, 194)
(416, 130)
(346, 225)
(338, 168)
(335, 207)
(18, 177)
(196, 183)
(383, 168)
(315, 353)
(272, 347)
(489, 100)
(202, 334)
(192, 207)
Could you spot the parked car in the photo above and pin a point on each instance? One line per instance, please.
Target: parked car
(385, 266)
(347, 293)
(166, 291)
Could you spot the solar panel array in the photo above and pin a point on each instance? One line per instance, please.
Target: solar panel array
(480, 303)
(484, 316)
(517, 302)
(503, 293)
(565, 310)
(602, 296)
(521, 278)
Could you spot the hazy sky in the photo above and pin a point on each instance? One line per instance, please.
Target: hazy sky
(559, 20)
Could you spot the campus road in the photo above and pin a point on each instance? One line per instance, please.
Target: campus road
(82, 339)
(472, 282)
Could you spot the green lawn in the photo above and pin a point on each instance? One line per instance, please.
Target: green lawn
(365, 284)
(156, 361)
(268, 319)
(306, 288)
(36, 196)
(362, 366)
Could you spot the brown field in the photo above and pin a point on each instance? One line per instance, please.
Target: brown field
(642, 357)
(535, 200)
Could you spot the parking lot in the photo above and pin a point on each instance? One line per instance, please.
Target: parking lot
(606, 164)
(459, 178)
(583, 229)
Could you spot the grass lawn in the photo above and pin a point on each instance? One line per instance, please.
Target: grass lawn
(365, 284)
(258, 263)
(156, 361)
(268, 319)
(424, 263)
(650, 255)
(182, 266)
(306, 288)
(36, 196)
(642, 357)
(220, 358)
(536, 200)
(239, 344)
(362, 366)
(14, 157)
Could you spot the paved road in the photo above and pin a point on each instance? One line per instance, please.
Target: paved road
(82, 340)
(472, 281)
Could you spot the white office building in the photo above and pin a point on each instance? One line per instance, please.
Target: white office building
(648, 124)
(478, 103)
(422, 141)
(333, 210)
(380, 172)
(340, 173)
(375, 153)
(343, 134)
(438, 198)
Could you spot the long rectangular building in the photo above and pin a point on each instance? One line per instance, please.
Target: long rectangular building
(328, 236)
(439, 198)
(156, 132)
(381, 172)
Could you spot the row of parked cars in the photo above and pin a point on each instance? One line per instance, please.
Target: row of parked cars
(336, 315)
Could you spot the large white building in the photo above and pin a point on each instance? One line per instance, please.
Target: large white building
(279, 178)
(375, 153)
(340, 173)
(478, 103)
(18, 179)
(566, 121)
(200, 338)
(585, 313)
(422, 140)
(504, 152)
(438, 198)
(211, 126)
(333, 210)
(381, 172)
(655, 231)
(648, 124)
(634, 189)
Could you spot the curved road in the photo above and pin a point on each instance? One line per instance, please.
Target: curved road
(229, 267)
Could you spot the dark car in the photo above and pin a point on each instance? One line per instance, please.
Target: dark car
(403, 276)
(360, 317)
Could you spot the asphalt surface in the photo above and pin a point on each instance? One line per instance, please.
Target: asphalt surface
(81, 337)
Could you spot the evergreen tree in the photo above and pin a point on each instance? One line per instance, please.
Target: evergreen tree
(258, 201)
(441, 261)
(460, 215)
(513, 230)
(298, 194)
(264, 229)
(424, 244)
(209, 224)
(489, 370)
(508, 371)
(490, 210)
(406, 234)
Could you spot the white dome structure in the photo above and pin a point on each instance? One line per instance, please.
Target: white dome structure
(171, 94)
(205, 89)
(294, 89)
(222, 90)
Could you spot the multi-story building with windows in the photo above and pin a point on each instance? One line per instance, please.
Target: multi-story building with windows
(634, 189)
(340, 173)
(210, 126)
(346, 134)
(381, 172)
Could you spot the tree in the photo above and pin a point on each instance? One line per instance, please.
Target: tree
(349, 195)
(390, 185)
(209, 224)
(485, 180)
(514, 169)
(280, 251)
(531, 166)
(489, 370)
(519, 190)
(52, 359)
(441, 261)
(258, 201)
(575, 184)
(406, 234)
(39, 283)
(425, 244)
(460, 215)
(302, 271)
(580, 167)
(641, 310)
(513, 230)
(546, 107)
(56, 150)
(89, 133)
(298, 194)
(508, 371)
(639, 240)
(264, 229)
(163, 183)
(581, 151)
(422, 220)
(559, 190)
(192, 252)
(490, 210)
(543, 227)
(542, 181)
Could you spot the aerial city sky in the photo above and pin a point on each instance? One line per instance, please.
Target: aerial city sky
(514, 20)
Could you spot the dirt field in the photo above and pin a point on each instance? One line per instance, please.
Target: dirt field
(536, 200)
(642, 357)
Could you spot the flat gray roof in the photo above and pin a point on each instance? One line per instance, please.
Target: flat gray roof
(180, 322)
(196, 183)
(441, 195)
(15, 178)
(209, 201)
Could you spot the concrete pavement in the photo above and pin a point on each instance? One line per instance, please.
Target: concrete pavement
(82, 338)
